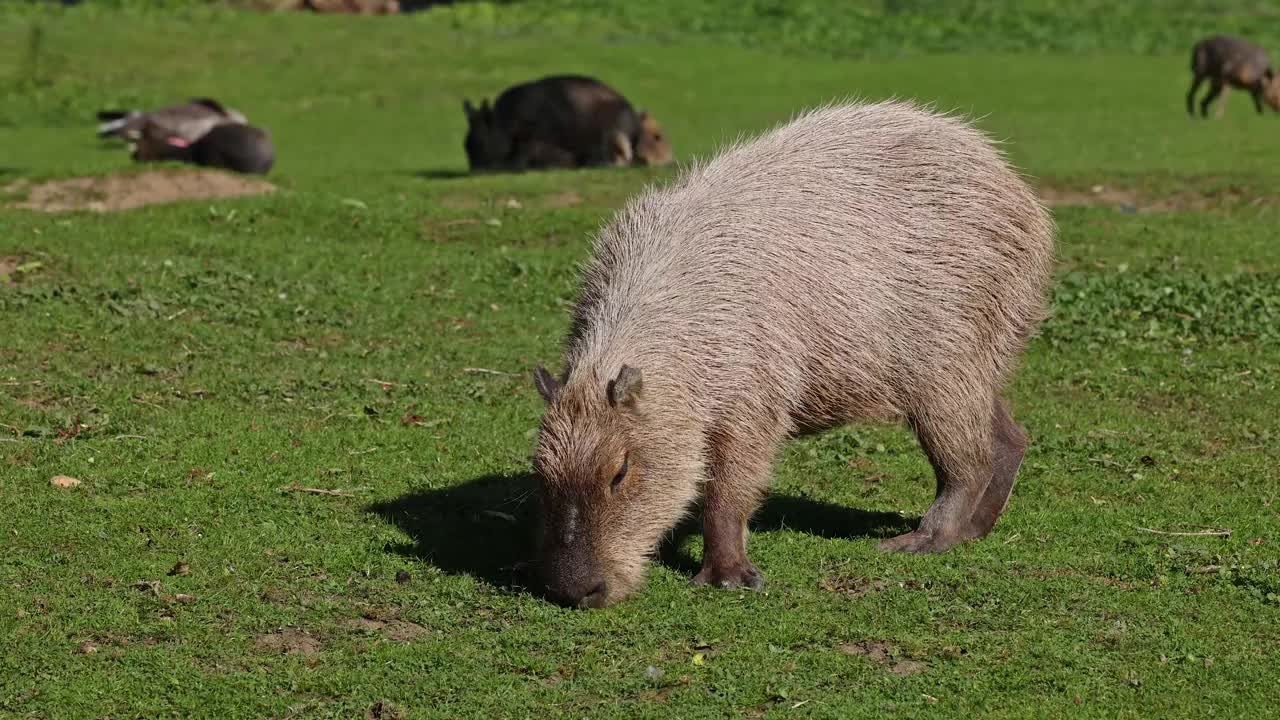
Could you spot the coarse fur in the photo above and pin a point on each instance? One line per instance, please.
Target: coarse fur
(1228, 61)
(863, 261)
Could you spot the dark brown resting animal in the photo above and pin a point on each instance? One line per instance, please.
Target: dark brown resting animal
(863, 261)
(242, 148)
(1228, 61)
(561, 121)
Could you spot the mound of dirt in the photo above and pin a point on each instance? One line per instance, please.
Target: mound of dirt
(1128, 200)
(111, 193)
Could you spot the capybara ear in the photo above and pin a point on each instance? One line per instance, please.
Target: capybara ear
(624, 390)
(548, 386)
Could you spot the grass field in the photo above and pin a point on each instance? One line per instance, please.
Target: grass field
(195, 364)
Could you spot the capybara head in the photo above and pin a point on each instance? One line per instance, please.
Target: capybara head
(607, 498)
(1271, 90)
(486, 145)
(652, 146)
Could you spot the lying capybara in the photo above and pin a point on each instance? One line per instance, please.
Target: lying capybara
(863, 261)
(561, 121)
(1228, 61)
(189, 120)
(242, 148)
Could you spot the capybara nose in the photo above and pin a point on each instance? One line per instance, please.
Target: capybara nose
(579, 590)
(595, 598)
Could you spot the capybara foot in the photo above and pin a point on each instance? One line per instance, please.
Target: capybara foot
(919, 542)
(735, 575)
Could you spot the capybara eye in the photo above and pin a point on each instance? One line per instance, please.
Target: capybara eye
(622, 473)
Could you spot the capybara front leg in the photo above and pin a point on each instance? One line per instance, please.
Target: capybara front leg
(738, 477)
(1191, 94)
(958, 443)
(1008, 445)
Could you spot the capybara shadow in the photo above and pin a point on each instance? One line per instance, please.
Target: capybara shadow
(439, 174)
(485, 527)
(482, 527)
(791, 512)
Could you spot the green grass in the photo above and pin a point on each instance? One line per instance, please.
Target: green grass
(188, 362)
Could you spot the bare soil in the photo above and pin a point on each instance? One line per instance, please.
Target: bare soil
(124, 191)
(1130, 200)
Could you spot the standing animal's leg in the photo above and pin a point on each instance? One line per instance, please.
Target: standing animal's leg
(1191, 94)
(1008, 444)
(958, 441)
(1215, 89)
(1256, 93)
(737, 481)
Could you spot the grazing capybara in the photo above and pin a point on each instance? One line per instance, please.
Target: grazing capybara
(863, 261)
(189, 120)
(242, 148)
(1228, 61)
(561, 121)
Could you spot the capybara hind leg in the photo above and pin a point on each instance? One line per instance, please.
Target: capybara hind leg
(1008, 444)
(958, 443)
(1215, 89)
(738, 477)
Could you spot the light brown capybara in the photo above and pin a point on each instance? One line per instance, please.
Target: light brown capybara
(863, 261)
(1228, 61)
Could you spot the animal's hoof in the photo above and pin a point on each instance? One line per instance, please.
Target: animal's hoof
(741, 575)
(918, 542)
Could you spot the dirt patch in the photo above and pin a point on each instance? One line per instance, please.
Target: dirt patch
(881, 653)
(857, 587)
(562, 200)
(397, 630)
(288, 642)
(1134, 201)
(124, 191)
(8, 263)
(873, 650)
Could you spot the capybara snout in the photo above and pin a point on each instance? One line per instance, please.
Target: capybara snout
(572, 575)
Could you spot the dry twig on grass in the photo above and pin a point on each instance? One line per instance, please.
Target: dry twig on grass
(315, 491)
(486, 371)
(1210, 532)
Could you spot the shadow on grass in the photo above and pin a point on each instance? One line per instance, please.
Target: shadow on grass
(485, 527)
(439, 174)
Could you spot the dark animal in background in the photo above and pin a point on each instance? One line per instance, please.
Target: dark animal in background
(864, 261)
(1228, 61)
(352, 7)
(188, 120)
(562, 121)
(241, 148)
